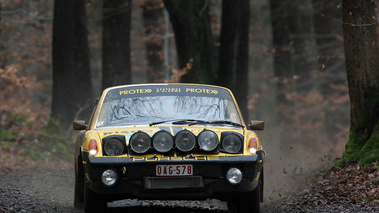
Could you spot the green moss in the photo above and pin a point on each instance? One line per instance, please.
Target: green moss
(36, 154)
(51, 136)
(351, 150)
(370, 151)
(62, 150)
(7, 134)
(19, 118)
(54, 127)
(361, 151)
(6, 144)
(53, 142)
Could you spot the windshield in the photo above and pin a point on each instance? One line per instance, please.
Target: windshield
(166, 103)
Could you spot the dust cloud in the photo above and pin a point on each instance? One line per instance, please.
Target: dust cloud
(292, 165)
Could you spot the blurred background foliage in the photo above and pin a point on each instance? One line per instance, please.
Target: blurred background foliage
(295, 72)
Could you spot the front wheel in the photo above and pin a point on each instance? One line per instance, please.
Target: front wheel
(79, 187)
(93, 202)
(247, 202)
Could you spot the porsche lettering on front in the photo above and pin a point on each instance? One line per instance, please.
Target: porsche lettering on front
(168, 141)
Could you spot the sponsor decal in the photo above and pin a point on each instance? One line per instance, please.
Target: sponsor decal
(199, 90)
(160, 90)
(135, 91)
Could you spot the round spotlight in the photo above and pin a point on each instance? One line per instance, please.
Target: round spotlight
(163, 141)
(232, 143)
(113, 147)
(185, 141)
(140, 142)
(109, 177)
(234, 176)
(208, 140)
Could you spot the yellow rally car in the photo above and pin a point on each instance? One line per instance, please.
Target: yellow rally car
(168, 142)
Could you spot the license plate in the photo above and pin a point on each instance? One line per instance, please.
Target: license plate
(174, 170)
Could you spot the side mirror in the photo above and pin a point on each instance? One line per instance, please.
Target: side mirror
(256, 125)
(79, 125)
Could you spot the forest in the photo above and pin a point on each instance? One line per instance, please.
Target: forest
(308, 68)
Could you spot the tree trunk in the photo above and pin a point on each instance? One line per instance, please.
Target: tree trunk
(190, 21)
(154, 26)
(116, 43)
(331, 68)
(362, 65)
(233, 68)
(281, 43)
(292, 24)
(71, 72)
(296, 76)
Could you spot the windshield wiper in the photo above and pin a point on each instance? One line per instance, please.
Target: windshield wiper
(159, 122)
(189, 122)
(177, 121)
(226, 122)
(195, 122)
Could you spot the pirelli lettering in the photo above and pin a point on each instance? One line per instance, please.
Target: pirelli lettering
(168, 90)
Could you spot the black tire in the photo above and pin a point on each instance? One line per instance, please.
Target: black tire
(93, 202)
(247, 202)
(79, 186)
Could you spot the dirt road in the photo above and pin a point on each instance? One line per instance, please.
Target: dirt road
(53, 190)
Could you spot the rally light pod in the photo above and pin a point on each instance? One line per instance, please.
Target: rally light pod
(208, 140)
(113, 147)
(185, 141)
(232, 143)
(163, 141)
(140, 142)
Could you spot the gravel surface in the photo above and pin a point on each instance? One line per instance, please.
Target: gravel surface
(52, 191)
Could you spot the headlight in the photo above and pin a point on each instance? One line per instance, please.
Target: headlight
(113, 147)
(109, 177)
(231, 143)
(208, 140)
(185, 141)
(234, 176)
(163, 141)
(140, 142)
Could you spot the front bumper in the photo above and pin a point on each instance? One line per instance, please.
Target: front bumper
(135, 175)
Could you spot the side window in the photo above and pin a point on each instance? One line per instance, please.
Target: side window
(93, 112)
(231, 112)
